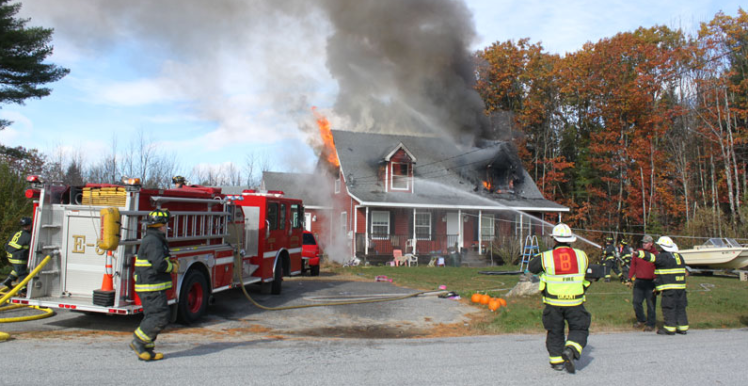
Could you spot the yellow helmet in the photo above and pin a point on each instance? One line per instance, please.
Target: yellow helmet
(562, 233)
(667, 244)
(158, 218)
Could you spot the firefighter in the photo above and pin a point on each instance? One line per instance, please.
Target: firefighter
(153, 271)
(670, 282)
(178, 182)
(624, 253)
(563, 284)
(17, 251)
(610, 259)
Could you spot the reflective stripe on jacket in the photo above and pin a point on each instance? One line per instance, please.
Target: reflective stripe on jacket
(152, 266)
(670, 269)
(17, 249)
(562, 281)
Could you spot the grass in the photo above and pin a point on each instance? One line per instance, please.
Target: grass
(713, 301)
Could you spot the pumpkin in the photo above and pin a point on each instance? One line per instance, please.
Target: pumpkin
(494, 304)
(502, 301)
(484, 299)
(476, 298)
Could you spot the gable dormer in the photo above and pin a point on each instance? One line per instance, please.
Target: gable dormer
(398, 163)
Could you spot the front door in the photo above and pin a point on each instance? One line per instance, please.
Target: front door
(308, 222)
(453, 229)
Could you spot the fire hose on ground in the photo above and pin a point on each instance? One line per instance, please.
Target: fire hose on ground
(4, 296)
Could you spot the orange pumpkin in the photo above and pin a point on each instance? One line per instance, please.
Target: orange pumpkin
(494, 304)
(484, 299)
(475, 298)
(503, 302)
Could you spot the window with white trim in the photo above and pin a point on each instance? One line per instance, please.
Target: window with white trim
(423, 226)
(337, 185)
(380, 225)
(487, 226)
(400, 176)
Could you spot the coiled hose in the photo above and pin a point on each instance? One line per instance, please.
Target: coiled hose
(5, 295)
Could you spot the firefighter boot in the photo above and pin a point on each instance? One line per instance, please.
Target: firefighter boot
(139, 348)
(155, 356)
(558, 366)
(568, 356)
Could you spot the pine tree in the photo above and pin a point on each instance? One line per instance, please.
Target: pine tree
(22, 52)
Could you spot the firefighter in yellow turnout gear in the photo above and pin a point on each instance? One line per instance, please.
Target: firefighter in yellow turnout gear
(153, 271)
(17, 252)
(670, 281)
(562, 282)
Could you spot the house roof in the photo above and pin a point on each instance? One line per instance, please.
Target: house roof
(446, 176)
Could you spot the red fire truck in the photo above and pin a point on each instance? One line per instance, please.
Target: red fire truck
(221, 242)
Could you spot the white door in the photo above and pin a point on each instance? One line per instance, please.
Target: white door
(308, 222)
(453, 228)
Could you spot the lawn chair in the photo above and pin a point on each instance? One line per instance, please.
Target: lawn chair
(397, 255)
(412, 260)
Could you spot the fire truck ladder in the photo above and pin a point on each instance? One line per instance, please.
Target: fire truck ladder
(530, 249)
(191, 225)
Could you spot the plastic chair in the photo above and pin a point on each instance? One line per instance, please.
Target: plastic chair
(412, 260)
(397, 255)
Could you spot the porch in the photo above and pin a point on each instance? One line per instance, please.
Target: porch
(429, 233)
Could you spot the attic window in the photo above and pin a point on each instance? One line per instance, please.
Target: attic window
(400, 176)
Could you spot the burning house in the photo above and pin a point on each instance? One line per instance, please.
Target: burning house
(426, 194)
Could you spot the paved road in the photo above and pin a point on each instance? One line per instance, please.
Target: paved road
(704, 357)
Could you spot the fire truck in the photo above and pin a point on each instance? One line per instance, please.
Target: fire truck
(221, 242)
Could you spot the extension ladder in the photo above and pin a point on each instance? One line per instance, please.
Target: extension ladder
(530, 249)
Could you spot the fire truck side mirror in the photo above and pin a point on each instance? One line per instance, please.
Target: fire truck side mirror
(110, 229)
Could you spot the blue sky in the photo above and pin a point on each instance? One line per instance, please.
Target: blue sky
(214, 103)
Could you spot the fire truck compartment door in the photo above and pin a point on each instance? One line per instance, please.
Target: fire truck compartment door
(251, 230)
(85, 264)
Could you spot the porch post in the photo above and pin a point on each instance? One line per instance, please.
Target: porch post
(480, 231)
(366, 232)
(355, 228)
(459, 230)
(521, 227)
(414, 231)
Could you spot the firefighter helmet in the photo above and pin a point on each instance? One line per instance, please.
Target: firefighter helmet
(609, 239)
(667, 244)
(25, 221)
(178, 180)
(624, 242)
(562, 233)
(158, 218)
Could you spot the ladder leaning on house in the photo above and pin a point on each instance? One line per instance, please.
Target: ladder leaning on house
(530, 249)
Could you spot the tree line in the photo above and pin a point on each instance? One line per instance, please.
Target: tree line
(645, 131)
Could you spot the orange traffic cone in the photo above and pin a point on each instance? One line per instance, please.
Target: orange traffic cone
(106, 284)
(105, 296)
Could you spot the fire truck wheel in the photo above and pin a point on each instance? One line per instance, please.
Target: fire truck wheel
(275, 288)
(193, 298)
(314, 270)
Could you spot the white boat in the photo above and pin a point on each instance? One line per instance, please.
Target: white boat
(717, 254)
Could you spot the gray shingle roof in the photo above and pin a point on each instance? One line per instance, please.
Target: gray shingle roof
(446, 174)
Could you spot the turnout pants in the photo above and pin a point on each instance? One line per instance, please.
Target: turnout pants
(643, 291)
(611, 265)
(674, 304)
(155, 316)
(19, 272)
(555, 319)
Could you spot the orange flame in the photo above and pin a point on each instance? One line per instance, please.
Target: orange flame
(328, 151)
(487, 185)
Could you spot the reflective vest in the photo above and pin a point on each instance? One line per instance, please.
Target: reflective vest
(609, 253)
(562, 280)
(17, 249)
(625, 253)
(670, 269)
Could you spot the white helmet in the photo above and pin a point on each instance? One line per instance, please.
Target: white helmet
(667, 244)
(562, 233)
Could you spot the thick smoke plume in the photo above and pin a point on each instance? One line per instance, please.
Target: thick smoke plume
(400, 66)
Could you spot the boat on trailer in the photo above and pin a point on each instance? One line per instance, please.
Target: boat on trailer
(717, 253)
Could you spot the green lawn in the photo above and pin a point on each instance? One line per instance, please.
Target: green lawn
(714, 301)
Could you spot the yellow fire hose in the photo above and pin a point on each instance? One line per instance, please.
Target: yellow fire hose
(4, 296)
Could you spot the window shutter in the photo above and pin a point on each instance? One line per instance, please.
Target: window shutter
(411, 224)
(434, 215)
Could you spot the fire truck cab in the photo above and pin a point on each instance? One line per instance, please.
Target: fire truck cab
(220, 241)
